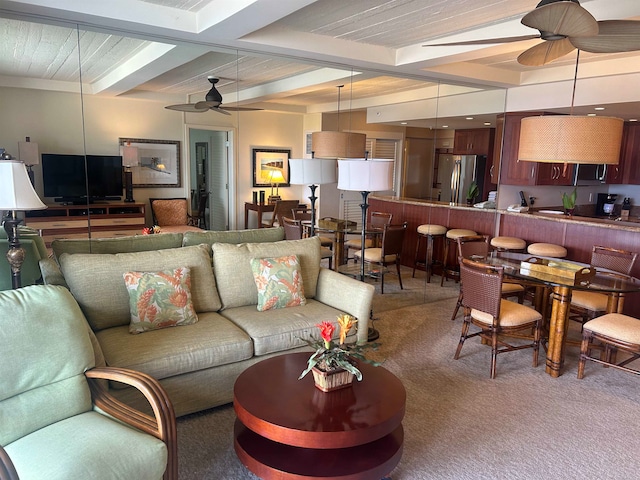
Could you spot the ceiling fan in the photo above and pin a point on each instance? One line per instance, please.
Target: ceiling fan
(212, 101)
(565, 26)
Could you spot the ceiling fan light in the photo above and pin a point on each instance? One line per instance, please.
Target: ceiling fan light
(570, 139)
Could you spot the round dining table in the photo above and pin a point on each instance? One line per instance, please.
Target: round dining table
(562, 277)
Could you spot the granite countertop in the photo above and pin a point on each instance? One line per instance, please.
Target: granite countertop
(632, 224)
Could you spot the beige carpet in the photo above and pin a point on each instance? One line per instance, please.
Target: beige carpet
(459, 424)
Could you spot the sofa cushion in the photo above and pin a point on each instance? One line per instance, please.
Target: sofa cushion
(95, 280)
(160, 299)
(278, 281)
(138, 243)
(280, 330)
(212, 341)
(255, 235)
(232, 267)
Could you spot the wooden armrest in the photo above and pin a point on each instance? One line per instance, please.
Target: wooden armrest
(7, 470)
(163, 426)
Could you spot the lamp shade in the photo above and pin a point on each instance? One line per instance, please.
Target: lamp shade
(28, 153)
(130, 156)
(338, 144)
(364, 175)
(570, 139)
(312, 171)
(276, 176)
(16, 191)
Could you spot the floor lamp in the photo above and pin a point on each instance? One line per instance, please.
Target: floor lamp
(16, 193)
(312, 172)
(365, 176)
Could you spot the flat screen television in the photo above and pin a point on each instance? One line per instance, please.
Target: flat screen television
(63, 177)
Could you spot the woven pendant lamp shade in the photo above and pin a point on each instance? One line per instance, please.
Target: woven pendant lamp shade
(570, 139)
(328, 144)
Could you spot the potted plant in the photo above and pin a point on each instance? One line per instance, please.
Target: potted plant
(472, 193)
(335, 364)
(569, 201)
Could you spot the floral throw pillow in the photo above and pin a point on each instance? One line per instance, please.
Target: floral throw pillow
(159, 299)
(279, 282)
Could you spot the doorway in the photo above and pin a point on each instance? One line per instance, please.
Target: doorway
(209, 173)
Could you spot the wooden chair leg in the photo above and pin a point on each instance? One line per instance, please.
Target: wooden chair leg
(463, 335)
(399, 276)
(494, 353)
(584, 347)
(458, 305)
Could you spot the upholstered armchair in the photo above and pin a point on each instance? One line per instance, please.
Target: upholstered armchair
(172, 215)
(57, 420)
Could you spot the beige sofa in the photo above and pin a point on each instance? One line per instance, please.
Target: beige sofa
(198, 364)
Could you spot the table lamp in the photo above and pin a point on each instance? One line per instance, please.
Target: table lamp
(130, 158)
(29, 155)
(16, 193)
(312, 172)
(276, 178)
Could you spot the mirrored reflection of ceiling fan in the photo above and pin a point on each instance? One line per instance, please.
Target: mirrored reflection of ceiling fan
(212, 101)
(565, 26)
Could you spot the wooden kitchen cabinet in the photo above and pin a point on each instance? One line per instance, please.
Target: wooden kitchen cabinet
(629, 156)
(554, 174)
(473, 141)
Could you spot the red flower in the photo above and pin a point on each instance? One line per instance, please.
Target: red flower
(326, 332)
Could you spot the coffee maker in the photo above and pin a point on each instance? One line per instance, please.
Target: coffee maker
(605, 204)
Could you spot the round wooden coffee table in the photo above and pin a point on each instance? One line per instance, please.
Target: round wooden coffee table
(287, 428)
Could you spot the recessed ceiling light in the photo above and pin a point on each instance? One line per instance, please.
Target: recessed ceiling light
(591, 114)
(469, 118)
(403, 123)
(487, 123)
(599, 108)
(445, 126)
(633, 119)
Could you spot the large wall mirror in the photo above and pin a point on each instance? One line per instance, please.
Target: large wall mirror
(93, 87)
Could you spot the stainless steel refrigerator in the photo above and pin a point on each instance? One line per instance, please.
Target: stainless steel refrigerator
(455, 174)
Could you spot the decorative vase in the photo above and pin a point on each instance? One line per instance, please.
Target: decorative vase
(332, 380)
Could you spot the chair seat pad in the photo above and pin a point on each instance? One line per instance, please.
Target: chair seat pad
(357, 243)
(511, 315)
(375, 255)
(89, 445)
(508, 243)
(326, 241)
(616, 325)
(459, 232)
(325, 253)
(547, 250)
(512, 288)
(594, 301)
(432, 229)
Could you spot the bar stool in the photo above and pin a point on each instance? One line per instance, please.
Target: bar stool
(451, 238)
(429, 233)
(511, 244)
(547, 250)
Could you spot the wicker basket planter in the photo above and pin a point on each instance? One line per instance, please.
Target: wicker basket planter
(333, 380)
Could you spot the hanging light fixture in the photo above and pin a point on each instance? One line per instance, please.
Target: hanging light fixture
(570, 138)
(337, 144)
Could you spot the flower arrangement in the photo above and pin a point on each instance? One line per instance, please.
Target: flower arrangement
(151, 230)
(330, 356)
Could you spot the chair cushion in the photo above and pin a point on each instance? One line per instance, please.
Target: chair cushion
(432, 229)
(511, 314)
(90, 445)
(459, 232)
(508, 243)
(375, 255)
(325, 253)
(159, 299)
(616, 325)
(357, 243)
(547, 250)
(95, 280)
(512, 288)
(232, 267)
(594, 301)
(279, 282)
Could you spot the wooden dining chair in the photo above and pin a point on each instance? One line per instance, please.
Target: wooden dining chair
(293, 230)
(478, 245)
(388, 254)
(485, 308)
(377, 221)
(304, 214)
(587, 305)
(281, 209)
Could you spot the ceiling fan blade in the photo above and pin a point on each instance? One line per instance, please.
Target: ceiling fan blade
(204, 105)
(614, 36)
(545, 52)
(187, 107)
(242, 109)
(220, 110)
(487, 41)
(562, 18)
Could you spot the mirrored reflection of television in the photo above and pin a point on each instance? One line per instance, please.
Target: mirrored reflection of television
(63, 177)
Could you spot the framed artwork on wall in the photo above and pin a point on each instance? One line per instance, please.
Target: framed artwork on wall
(270, 166)
(157, 162)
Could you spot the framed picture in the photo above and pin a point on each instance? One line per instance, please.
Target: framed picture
(270, 167)
(156, 163)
